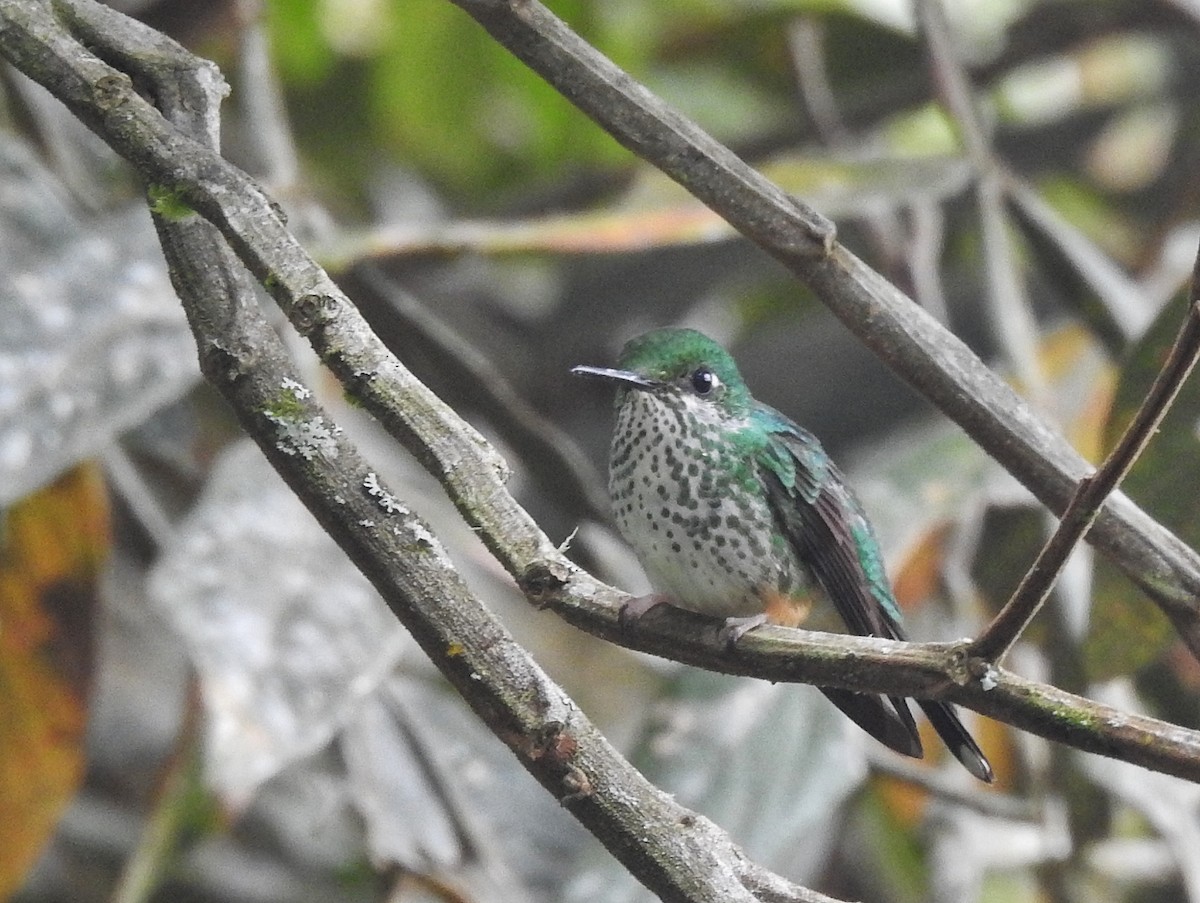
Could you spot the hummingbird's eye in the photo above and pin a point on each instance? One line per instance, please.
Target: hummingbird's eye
(704, 381)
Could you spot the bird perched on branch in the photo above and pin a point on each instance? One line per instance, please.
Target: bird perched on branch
(736, 512)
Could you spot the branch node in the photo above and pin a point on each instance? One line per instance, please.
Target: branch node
(983, 671)
(542, 580)
(112, 90)
(314, 310)
(577, 784)
(554, 745)
(959, 663)
(825, 231)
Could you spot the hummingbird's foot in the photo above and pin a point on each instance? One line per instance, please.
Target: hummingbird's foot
(638, 606)
(736, 628)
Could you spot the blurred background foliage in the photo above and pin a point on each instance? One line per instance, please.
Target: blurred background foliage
(259, 729)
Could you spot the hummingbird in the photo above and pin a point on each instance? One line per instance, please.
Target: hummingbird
(737, 512)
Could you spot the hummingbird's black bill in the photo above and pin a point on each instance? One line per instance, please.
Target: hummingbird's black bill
(628, 377)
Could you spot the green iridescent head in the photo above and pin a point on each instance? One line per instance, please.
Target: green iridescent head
(680, 362)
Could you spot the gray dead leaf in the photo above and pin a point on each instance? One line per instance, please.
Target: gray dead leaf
(286, 635)
(94, 339)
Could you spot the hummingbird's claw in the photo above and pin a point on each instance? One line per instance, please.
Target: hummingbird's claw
(736, 628)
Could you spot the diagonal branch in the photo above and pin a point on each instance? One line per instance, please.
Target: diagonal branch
(1085, 503)
(1034, 588)
(904, 336)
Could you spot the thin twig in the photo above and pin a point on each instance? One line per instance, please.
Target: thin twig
(1011, 313)
(950, 81)
(137, 494)
(1081, 513)
(261, 104)
(946, 786)
(806, 43)
(923, 250)
(164, 833)
(1124, 309)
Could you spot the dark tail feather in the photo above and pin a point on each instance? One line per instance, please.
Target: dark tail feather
(945, 721)
(892, 726)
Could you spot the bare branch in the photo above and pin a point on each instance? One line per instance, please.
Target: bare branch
(1082, 511)
(923, 670)
(919, 349)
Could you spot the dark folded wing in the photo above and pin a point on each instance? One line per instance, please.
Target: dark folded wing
(825, 525)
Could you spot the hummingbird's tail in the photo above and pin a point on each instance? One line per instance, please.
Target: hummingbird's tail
(948, 726)
(892, 726)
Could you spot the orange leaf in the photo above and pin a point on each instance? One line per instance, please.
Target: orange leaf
(51, 547)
